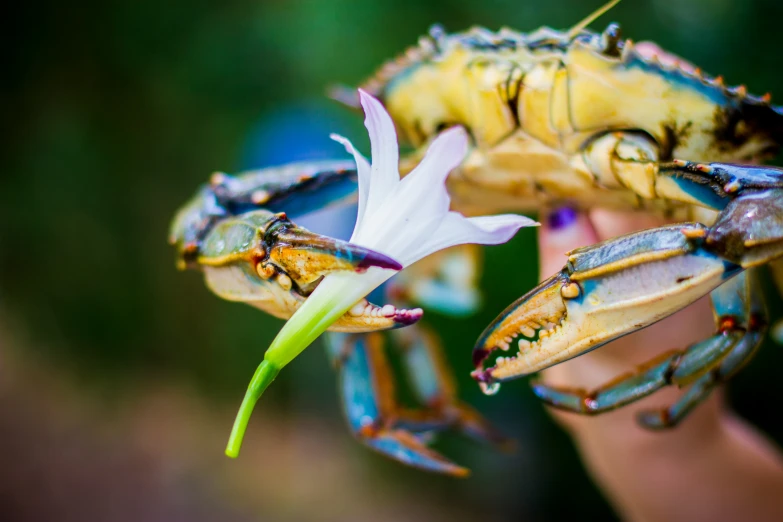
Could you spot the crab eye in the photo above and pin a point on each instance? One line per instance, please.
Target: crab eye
(611, 41)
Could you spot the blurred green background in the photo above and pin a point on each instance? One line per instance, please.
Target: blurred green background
(120, 376)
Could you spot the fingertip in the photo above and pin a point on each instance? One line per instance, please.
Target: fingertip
(562, 230)
(612, 223)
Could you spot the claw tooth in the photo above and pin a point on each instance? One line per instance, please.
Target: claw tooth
(732, 186)
(543, 333)
(217, 178)
(524, 344)
(358, 308)
(527, 331)
(508, 339)
(388, 310)
(503, 346)
(284, 281)
(259, 197)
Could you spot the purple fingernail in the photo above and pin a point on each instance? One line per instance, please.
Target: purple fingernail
(561, 218)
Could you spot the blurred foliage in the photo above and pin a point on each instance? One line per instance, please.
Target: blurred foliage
(115, 112)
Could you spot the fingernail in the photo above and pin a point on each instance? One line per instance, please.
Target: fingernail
(561, 218)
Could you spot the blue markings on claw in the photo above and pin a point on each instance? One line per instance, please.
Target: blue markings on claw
(727, 299)
(704, 193)
(588, 286)
(730, 269)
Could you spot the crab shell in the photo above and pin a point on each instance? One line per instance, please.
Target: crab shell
(536, 103)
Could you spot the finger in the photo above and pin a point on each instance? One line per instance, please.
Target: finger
(562, 230)
(613, 223)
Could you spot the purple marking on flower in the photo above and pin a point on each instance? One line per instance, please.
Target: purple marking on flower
(379, 260)
(561, 218)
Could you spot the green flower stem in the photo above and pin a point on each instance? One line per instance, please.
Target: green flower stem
(335, 295)
(265, 374)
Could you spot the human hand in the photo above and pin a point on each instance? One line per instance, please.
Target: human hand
(713, 466)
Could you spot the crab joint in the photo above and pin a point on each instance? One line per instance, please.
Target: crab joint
(570, 291)
(265, 270)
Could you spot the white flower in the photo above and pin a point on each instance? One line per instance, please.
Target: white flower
(406, 219)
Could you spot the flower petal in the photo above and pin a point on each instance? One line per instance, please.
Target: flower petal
(384, 151)
(444, 154)
(364, 175)
(456, 229)
(410, 213)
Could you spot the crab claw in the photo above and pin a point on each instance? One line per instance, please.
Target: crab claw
(540, 310)
(306, 256)
(267, 261)
(606, 291)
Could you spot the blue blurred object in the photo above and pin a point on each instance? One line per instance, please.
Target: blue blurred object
(300, 132)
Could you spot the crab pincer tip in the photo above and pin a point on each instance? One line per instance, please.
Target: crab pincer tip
(372, 258)
(408, 317)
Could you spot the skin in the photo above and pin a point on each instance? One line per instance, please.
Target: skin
(713, 466)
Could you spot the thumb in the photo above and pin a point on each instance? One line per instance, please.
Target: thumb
(562, 230)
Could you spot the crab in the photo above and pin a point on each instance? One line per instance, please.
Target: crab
(556, 118)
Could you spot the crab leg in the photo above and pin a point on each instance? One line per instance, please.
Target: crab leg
(433, 383)
(367, 391)
(403, 433)
(742, 351)
(740, 325)
(776, 267)
(627, 283)
(297, 188)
